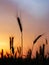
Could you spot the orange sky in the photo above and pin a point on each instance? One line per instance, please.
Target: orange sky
(33, 24)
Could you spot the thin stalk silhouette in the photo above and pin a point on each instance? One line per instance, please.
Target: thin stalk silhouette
(21, 30)
(10, 44)
(46, 41)
(19, 51)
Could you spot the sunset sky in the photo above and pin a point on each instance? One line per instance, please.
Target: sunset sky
(34, 15)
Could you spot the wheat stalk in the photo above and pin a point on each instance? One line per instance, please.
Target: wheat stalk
(46, 41)
(38, 37)
(20, 25)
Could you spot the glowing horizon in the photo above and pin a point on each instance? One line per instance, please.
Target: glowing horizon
(34, 17)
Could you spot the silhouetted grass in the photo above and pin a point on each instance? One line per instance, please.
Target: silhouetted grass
(46, 41)
(19, 22)
(13, 61)
(37, 38)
